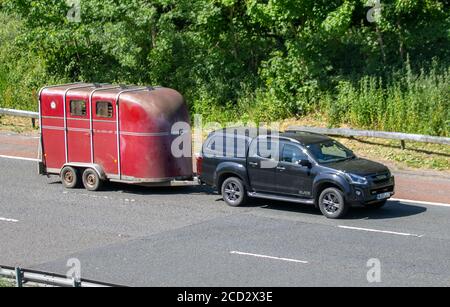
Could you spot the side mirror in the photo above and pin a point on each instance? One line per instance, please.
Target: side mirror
(306, 163)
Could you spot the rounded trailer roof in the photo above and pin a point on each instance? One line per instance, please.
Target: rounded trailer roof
(148, 97)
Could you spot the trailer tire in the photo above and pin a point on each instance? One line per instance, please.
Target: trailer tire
(92, 180)
(70, 177)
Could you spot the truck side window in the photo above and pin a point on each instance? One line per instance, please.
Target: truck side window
(293, 154)
(78, 107)
(104, 109)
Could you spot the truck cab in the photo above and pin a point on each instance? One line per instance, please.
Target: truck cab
(295, 166)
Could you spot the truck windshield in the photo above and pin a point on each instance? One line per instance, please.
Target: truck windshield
(330, 151)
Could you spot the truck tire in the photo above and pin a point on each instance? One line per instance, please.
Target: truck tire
(91, 180)
(332, 203)
(234, 192)
(70, 177)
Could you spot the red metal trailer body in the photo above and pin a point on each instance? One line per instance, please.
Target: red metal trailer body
(123, 133)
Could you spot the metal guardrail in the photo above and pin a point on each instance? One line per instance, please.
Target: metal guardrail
(19, 113)
(22, 277)
(402, 137)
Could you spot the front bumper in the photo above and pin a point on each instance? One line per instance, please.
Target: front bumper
(368, 194)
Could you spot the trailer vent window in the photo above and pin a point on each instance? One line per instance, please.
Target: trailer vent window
(78, 107)
(104, 109)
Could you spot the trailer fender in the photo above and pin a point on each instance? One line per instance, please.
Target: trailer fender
(101, 173)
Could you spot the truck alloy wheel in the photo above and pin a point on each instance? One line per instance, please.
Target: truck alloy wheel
(332, 203)
(69, 177)
(233, 192)
(91, 180)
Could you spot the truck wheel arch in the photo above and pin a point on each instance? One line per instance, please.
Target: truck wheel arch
(224, 176)
(230, 169)
(325, 184)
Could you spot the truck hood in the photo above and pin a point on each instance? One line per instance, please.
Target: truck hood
(359, 166)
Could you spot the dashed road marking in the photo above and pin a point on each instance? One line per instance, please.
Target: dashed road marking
(4, 219)
(381, 231)
(268, 257)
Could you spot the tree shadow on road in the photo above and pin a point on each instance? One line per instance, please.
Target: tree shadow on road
(146, 190)
(143, 190)
(392, 210)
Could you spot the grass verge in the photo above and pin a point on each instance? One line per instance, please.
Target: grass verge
(17, 124)
(6, 283)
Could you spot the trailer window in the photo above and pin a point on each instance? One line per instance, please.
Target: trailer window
(78, 107)
(104, 109)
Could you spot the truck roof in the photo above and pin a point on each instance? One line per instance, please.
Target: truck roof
(303, 137)
(306, 138)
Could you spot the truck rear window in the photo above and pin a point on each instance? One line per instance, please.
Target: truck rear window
(78, 107)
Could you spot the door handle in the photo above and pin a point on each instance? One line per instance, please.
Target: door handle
(254, 164)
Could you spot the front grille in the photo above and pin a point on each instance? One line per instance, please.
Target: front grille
(381, 178)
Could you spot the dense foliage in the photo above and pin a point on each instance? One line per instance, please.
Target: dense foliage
(254, 59)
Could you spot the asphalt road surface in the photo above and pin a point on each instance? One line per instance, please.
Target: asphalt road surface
(188, 237)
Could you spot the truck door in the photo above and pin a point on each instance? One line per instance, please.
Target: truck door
(292, 178)
(261, 164)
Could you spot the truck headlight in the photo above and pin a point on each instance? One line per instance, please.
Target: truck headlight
(355, 179)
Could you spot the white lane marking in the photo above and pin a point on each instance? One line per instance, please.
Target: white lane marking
(268, 257)
(3, 219)
(421, 202)
(381, 231)
(19, 158)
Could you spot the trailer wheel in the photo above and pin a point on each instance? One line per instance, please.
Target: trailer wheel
(91, 180)
(70, 177)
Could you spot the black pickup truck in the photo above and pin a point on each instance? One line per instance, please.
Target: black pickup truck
(293, 166)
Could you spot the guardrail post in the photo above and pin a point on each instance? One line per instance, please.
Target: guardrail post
(19, 278)
(33, 123)
(402, 144)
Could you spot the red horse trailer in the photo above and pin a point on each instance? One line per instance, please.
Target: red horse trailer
(93, 133)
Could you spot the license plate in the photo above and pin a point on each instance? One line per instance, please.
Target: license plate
(384, 195)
